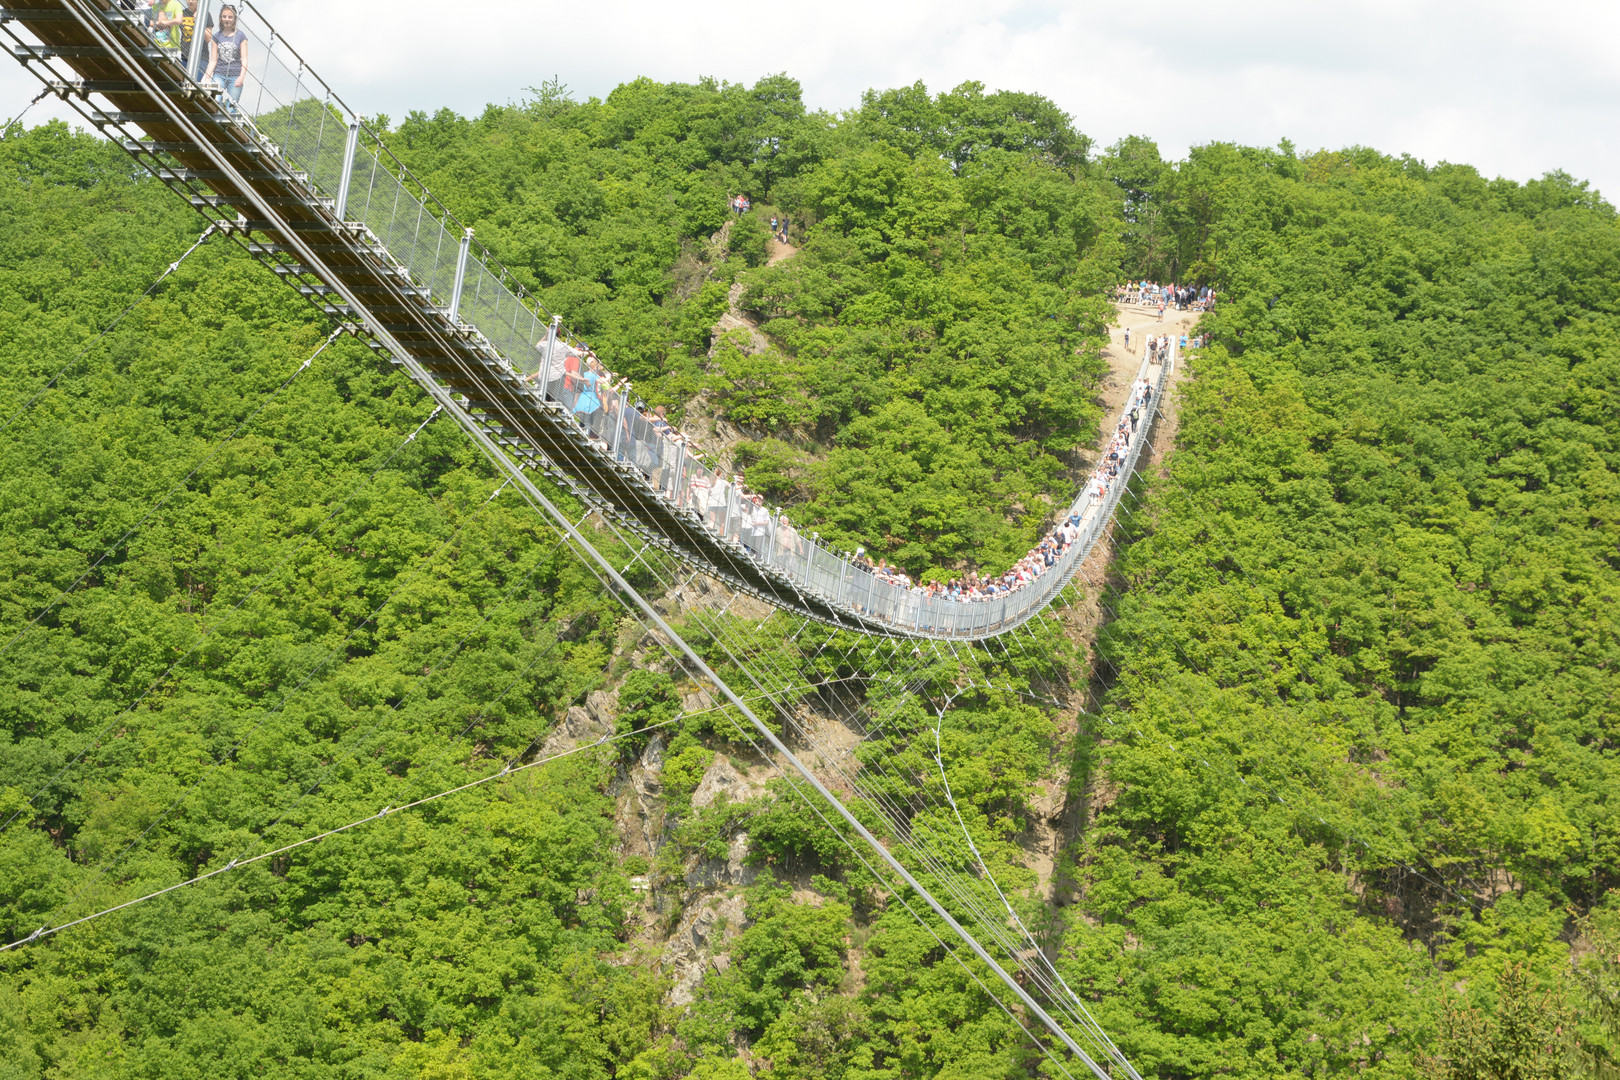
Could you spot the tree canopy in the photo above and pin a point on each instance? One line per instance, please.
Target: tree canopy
(1361, 714)
(1333, 794)
(931, 349)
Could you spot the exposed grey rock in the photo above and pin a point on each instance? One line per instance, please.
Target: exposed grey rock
(704, 931)
(640, 813)
(578, 726)
(602, 707)
(730, 871)
(652, 758)
(721, 776)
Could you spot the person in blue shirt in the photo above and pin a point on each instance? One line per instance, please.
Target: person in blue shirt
(588, 403)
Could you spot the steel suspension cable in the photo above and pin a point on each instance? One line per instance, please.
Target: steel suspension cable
(309, 676)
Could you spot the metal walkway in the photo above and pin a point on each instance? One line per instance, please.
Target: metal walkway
(293, 174)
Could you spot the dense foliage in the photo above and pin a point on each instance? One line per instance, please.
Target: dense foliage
(931, 348)
(1346, 801)
(319, 621)
(1363, 729)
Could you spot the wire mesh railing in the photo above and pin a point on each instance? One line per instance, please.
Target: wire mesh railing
(266, 87)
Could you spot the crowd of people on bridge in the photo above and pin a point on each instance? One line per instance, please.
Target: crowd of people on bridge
(972, 588)
(624, 428)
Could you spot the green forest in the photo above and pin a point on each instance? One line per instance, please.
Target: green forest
(1341, 765)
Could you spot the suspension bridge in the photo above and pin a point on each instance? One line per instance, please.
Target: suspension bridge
(293, 175)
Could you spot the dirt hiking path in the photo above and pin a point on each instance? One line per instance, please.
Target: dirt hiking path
(1143, 323)
(780, 252)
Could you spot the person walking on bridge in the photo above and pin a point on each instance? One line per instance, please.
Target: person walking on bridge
(227, 56)
(588, 404)
(166, 20)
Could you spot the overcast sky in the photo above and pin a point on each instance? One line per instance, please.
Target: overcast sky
(1515, 89)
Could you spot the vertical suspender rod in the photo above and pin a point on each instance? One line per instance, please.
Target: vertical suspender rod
(551, 346)
(350, 142)
(461, 275)
(194, 64)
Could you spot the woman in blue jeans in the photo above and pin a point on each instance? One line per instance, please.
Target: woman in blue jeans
(227, 55)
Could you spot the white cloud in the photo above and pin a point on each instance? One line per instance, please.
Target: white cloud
(1507, 87)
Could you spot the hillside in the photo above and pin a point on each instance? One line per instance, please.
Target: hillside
(1317, 776)
(1361, 720)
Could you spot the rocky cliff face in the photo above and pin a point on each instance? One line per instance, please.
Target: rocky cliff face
(689, 918)
(692, 903)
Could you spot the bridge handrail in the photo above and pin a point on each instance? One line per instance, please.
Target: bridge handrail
(295, 114)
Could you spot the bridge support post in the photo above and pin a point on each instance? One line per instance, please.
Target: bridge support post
(623, 418)
(350, 142)
(545, 361)
(194, 64)
(461, 275)
(676, 472)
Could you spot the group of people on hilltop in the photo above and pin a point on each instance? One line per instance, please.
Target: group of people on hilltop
(1153, 294)
(741, 205)
(174, 26)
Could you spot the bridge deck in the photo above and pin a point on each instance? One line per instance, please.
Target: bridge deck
(294, 175)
